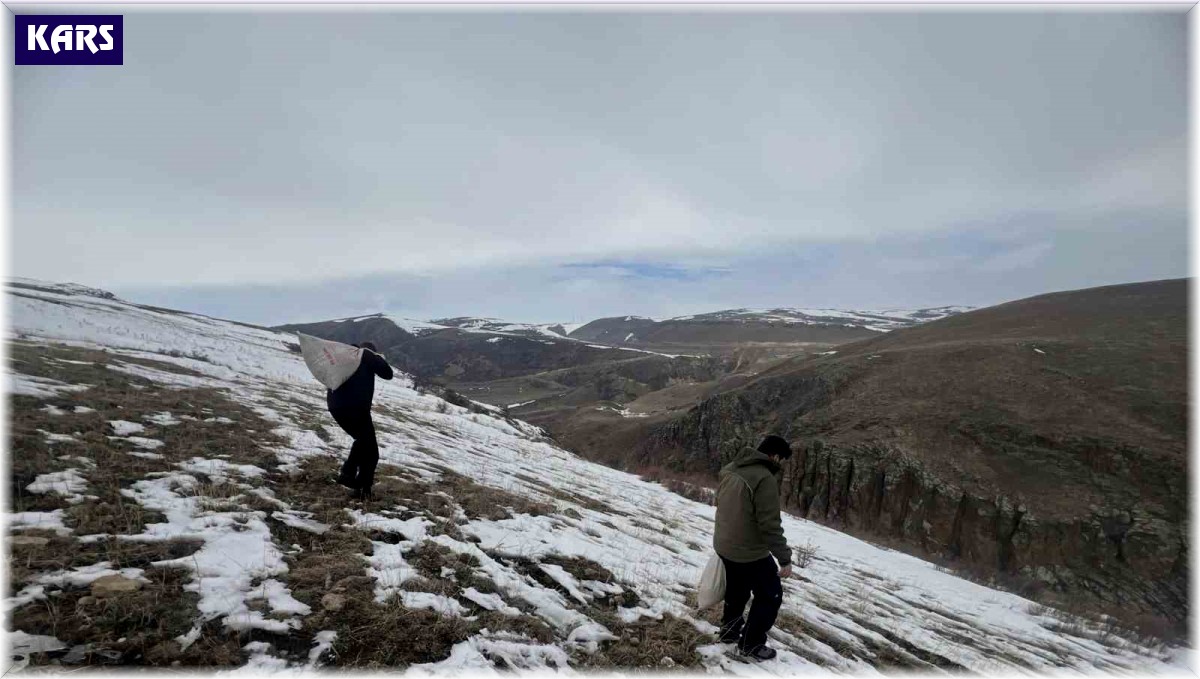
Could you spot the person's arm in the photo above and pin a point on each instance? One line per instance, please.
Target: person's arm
(379, 364)
(770, 526)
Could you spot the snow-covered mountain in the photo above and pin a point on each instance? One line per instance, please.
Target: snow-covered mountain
(496, 325)
(876, 321)
(409, 325)
(488, 326)
(489, 547)
(722, 330)
(880, 321)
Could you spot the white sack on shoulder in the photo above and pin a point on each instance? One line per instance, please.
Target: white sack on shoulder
(332, 363)
(711, 589)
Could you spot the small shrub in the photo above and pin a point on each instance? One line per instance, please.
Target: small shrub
(804, 554)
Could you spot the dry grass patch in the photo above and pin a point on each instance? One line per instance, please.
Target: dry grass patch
(134, 628)
(581, 568)
(487, 502)
(329, 574)
(117, 396)
(586, 569)
(373, 635)
(1087, 623)
(526, 625)
(138, 627)
(647, 644)
(326, 559)
(573, 498)
(483, 584)
(585, 501)
(429, 558)
(26, 562)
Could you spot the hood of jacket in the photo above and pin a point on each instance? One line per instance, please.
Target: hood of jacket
(751, 457)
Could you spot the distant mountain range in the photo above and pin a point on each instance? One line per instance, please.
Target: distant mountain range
(699, 333)
(705, 333)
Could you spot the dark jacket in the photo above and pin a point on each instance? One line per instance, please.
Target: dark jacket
(356, 393)
(748, 527)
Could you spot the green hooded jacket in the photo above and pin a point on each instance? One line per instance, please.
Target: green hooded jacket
(748, 527)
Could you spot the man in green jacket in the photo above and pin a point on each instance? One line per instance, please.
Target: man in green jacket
(749, 539)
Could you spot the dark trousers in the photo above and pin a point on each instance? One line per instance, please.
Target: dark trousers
(760, 578)
(364, 453)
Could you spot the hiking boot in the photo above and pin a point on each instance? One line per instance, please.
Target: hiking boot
(347, 481)
(758, 653)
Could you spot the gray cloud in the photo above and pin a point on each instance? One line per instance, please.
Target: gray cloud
(978, 267)
(473, 155)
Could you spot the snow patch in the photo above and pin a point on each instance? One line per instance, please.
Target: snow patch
(387, 565)
(125, 428)
(490, 602)
(52, 438)
(442, 605)
(44, 520)
(67, 483)
(301, 520)
(39, 387)
(238, 553)
(84, 576)
(164, 419)
(412, 529)
(22, 645)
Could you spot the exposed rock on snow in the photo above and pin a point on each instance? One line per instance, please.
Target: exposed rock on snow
(110, 585)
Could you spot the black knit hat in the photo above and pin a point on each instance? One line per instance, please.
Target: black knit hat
(775, 445)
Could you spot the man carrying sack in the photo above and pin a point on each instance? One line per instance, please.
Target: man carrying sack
(749, 539)
(348, 373)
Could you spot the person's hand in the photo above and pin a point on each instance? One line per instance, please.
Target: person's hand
(786, 571)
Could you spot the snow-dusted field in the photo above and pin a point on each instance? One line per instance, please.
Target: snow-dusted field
(852, 607)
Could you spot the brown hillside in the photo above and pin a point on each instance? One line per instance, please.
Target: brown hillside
(1045, 438)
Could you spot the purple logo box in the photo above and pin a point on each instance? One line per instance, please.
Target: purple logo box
(69, 40)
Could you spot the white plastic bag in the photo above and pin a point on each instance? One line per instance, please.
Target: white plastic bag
(330, 362)
(711, 590)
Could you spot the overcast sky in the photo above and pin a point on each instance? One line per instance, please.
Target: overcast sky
(561, 166)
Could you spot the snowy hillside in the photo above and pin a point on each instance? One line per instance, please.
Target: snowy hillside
(189, 458)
